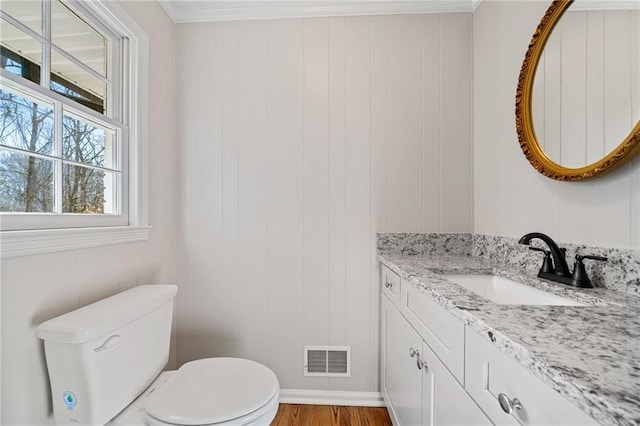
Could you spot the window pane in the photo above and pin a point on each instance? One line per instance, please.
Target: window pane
(73, 35)
(20, 54)
(26, 124)
(71, 81)
(85, 142)
(27, 12)
(86, 190)
(26, 183)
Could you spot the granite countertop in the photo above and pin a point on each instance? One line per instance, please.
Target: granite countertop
(590, 354)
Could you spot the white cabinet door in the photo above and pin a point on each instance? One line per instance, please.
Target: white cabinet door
(402, 380)
(445, 402)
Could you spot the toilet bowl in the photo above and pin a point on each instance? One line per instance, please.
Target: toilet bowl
(105, 364)
(210, 391)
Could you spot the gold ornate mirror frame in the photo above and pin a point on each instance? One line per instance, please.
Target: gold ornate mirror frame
(524, 122)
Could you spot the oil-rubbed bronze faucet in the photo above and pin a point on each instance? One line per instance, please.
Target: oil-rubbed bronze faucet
(558, 270)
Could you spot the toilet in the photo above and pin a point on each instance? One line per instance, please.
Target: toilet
(105, 364)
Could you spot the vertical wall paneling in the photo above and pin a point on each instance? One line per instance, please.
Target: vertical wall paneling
(635, 91)
(380, 120)
(316, 188)
(405, 122)
(206, 168)
(253, 323)
(285, 199)
(487, 89)
(634, 207)
(612, 204)
(573, 77)
(47, 289)
(552, 106)
(537, 103)
(582, 107)
(337, 188)
(594, 99)
(183, 262)
(358, 199)
(98, 262)
(456, 149)
(379, 174)
(431, 119)
(379, 170)
(612, 208)
(230, 190)
(519, 179)
(617, 106)
(634, 57)
(300, 139)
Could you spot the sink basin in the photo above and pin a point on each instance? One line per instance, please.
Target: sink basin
(507, 292)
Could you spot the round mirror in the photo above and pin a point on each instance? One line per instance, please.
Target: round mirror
(578, 98)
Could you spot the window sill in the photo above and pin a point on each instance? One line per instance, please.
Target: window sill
(24, 243)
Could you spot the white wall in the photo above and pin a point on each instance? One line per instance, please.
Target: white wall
(37, 288)
(511, 198)
(299, 139)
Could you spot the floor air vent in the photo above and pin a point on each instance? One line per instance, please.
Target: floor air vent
(327, 361)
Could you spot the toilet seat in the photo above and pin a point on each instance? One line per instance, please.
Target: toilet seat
(215, 391)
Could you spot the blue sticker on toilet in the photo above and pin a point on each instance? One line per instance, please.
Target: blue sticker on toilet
(70, 400)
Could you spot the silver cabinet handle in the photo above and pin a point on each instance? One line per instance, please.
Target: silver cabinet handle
(508, 404)
(387, 284)
(413, 352)
(421, 364)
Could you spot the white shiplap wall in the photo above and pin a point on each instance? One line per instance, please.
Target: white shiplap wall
(298, 140)
(511, 198)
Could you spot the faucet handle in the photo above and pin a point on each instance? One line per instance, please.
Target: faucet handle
(547, 264)
(579, 276)
(591, 256)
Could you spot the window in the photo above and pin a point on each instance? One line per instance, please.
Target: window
(72, 116)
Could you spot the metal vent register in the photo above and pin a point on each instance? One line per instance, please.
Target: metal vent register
(327, 361)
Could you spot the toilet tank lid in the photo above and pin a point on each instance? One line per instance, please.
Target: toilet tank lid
(106, 315)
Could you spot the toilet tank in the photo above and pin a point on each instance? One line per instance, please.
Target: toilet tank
(102, 356)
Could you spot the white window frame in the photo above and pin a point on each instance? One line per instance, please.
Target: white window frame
(134, 114)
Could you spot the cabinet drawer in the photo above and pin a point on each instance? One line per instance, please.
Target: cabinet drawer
(489, 372)
(390, 284)
(443, 332)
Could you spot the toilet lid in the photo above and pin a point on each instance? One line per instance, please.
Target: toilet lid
(213, 390)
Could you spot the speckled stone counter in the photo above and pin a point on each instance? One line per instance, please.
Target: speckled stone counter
(589, 354)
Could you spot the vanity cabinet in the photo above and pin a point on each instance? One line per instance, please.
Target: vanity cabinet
(491, 374)
(437, 371)
(417, 387)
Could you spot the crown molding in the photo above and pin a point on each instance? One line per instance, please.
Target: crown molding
(188, 11)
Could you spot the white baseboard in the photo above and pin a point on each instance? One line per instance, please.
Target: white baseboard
(324, 397)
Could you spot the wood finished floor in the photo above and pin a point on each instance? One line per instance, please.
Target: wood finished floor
(321, 415)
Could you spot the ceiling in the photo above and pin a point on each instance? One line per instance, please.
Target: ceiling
(185, 11)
